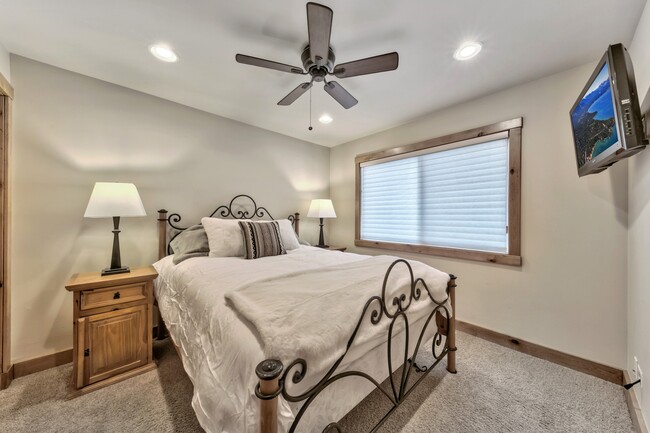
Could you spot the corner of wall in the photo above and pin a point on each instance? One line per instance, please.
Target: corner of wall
(639, 52)
(638, 295)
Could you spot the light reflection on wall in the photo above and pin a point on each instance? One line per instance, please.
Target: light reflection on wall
(71, 131)
(107, 154)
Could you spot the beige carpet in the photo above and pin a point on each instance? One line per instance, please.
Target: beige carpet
(496, 390)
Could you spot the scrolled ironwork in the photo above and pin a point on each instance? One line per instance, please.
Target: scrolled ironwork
(173, 219)
(377, 308)
(300, 373)
(235, 209)
(438, 337)
(241, 206)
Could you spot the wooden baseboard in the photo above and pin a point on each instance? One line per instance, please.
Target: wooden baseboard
(34, 365)
(6, 378)
(592, 368)
(634, 407)
(41, 363)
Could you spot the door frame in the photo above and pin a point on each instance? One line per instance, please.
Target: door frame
(6, 101)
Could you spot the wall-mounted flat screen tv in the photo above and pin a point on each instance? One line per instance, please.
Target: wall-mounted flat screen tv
(606, 118)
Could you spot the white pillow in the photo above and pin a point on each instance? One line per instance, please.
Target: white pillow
(226, 240)
(289, 238)
(224, 237)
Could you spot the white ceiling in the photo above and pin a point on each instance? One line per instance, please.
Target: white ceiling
(523, 40)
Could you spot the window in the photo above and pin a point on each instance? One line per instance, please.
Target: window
(455, 196)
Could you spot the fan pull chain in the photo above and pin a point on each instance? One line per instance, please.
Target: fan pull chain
(310, 128)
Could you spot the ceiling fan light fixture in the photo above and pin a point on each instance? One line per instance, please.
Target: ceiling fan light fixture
(467, 51)
(325, 119)
(318, 61)
(163, 53)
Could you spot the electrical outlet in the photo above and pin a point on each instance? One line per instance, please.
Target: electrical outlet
(635, 369)
(640, 373)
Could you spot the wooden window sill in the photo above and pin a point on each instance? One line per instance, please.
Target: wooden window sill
(480, 256)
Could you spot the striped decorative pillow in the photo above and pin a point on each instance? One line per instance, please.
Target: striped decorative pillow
(261, 239)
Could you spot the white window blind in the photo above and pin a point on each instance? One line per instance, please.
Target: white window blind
(454, 198)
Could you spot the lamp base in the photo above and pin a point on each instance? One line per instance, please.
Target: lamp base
(113, 271)
(322, 246)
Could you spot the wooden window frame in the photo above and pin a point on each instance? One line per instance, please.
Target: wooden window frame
(513, 128)
(6, 98)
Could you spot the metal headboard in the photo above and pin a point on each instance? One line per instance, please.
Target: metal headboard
(242, 206)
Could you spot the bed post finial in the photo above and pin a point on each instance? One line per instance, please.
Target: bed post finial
(296, 223)
(162, 233)
(451, 333)
(269, 371)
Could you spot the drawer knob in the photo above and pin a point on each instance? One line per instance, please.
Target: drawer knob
(116, 295)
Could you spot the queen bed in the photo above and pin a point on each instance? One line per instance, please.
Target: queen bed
(293, 341)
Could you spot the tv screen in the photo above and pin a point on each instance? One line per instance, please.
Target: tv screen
(606, 118)
(594, 120)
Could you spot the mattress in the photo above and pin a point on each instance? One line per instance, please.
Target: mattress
(220, 349)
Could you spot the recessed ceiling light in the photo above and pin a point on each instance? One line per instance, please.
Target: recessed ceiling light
(325, 118)
(164, 53)
(467, 51)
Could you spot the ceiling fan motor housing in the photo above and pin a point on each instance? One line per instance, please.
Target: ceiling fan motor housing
(316, 71)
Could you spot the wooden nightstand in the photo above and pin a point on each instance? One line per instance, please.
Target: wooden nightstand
(112, 327)
(332, 247)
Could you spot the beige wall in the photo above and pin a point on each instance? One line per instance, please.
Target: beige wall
(5, 69)
(639, 228)
(71, 131)
(570, 292)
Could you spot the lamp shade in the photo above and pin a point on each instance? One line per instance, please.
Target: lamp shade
(111, 199)
(321, 208)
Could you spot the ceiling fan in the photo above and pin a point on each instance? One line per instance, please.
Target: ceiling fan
(318, 60)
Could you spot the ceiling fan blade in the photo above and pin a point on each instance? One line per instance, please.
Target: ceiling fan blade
(262, 63)
(295, 94)
(370, 65)
(319, 24)
(341, 95)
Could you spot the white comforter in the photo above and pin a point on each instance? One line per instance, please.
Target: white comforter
(220, 349)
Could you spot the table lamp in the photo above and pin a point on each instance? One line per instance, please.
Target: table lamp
(321, 208)
(115, 200)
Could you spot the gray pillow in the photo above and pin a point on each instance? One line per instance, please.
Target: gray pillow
(192, 242)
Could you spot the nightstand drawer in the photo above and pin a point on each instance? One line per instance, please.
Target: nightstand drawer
(112, 296)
